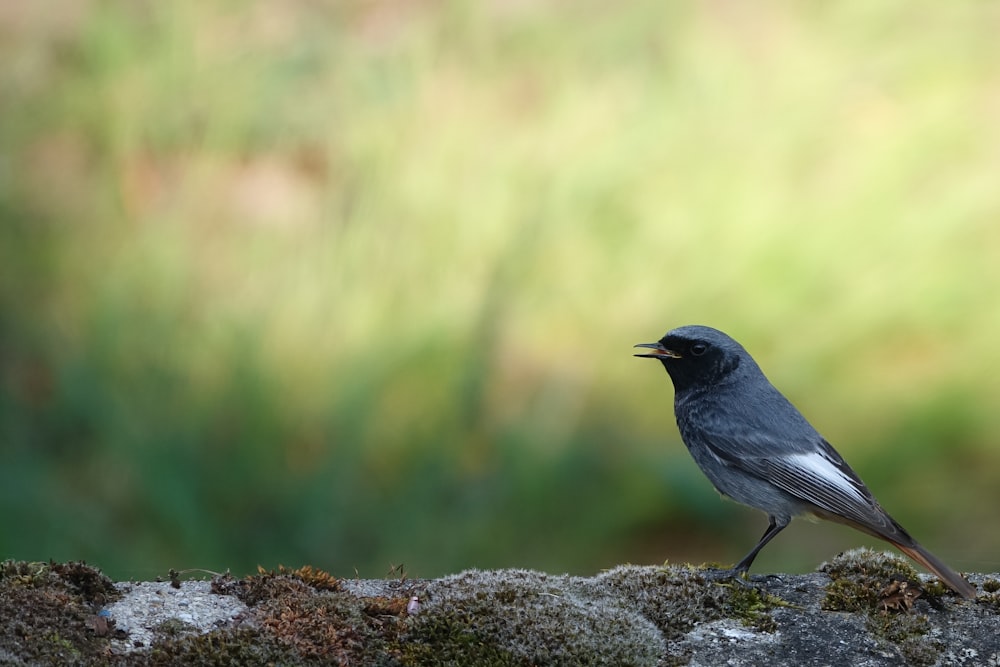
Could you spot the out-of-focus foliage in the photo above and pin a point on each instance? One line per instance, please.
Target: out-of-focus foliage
(355, 283)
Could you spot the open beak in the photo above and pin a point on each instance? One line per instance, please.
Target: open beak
(659, 352)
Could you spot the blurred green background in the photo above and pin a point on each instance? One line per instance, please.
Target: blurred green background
(356, 284)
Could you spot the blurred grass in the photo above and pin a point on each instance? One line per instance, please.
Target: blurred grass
(355, 284)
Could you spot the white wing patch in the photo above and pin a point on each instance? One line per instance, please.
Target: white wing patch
(826, 473)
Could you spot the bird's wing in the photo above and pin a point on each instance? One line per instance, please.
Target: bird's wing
(817, 475)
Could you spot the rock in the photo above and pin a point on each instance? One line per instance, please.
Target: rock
(863, 609)
(145, 607)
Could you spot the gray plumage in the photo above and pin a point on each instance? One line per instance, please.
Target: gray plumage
(758, 449)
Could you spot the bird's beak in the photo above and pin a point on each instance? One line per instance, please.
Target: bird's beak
(660, 351)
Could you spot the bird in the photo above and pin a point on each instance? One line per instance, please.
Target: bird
(758, 449)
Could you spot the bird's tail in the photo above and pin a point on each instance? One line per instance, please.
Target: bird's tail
(954, 580)
(894, 534)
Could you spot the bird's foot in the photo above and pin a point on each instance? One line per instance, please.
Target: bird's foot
(738, 576)
(719, 575)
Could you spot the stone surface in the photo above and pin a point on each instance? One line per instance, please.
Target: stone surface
(634, 615)
(863, 609)
(146, 606)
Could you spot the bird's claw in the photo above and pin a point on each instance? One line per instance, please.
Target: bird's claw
(738, 576)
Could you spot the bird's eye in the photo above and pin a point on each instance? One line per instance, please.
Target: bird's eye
(699, 349)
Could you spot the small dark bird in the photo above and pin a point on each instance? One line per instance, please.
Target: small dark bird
(759, 450)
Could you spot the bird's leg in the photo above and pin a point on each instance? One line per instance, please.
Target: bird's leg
(773, 528)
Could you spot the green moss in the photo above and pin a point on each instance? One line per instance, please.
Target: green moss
(909, 633)
(76, 578)
(898, 628)
(935, 589)
(48, 611)
(517, 617)
(446, 640)
(674, 598)
(175, 627)
(752, 607)
(990, 595)
(859, 582)
(857, 578)
(62, 646)
(629, 615)
(921, 653)
(222, 647)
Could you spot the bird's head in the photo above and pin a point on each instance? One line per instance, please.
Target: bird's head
(697, 356)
